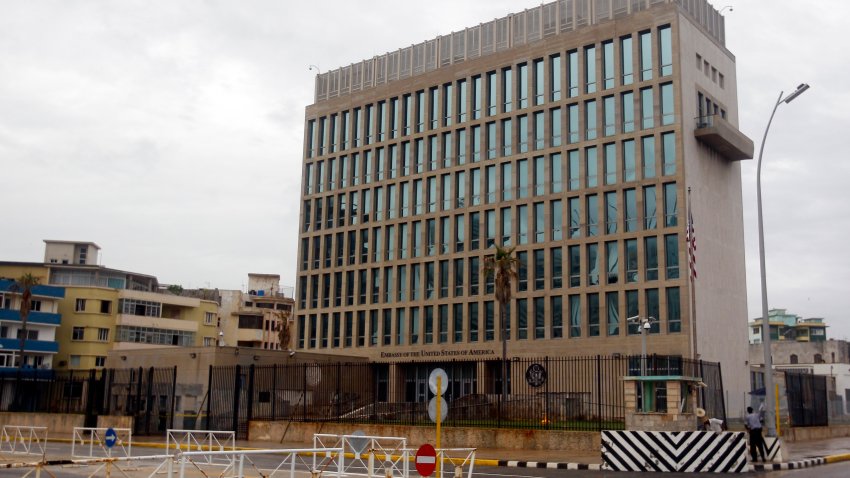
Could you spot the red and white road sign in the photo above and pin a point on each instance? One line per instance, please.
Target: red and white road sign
(426, 460)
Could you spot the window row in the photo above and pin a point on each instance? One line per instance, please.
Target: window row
(585, 121)
(609, 263)
(150, 335)
(535, 318)
(629, 210)
(590, 167)
(598, 67)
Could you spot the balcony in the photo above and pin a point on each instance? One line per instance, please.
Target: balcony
(30, 345)
(37, 291)
(724, 138)
(34, 317)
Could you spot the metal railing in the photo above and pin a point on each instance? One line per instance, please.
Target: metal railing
(318, 461)
(91, 442)
(200, 440)
(384, 456)
(27, 440)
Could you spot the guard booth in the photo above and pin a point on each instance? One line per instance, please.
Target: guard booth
(661, 402)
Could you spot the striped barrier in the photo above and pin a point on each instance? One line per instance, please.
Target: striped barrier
(695, 451)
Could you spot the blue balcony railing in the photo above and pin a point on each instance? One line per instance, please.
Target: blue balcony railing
(29, 345)
(34, 317)
(6, 285)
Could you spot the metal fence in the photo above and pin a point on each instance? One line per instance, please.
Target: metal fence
(562, 393)
(145, 394)
(807, 399)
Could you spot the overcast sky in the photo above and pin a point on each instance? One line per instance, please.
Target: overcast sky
(170, 132)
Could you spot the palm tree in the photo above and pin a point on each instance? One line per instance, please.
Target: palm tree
(24, 285)
(502, 266)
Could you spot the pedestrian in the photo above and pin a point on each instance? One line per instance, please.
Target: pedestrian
(753, 426)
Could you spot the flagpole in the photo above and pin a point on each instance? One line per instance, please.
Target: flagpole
(691, 278)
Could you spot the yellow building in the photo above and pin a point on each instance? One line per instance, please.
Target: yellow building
(106, 309)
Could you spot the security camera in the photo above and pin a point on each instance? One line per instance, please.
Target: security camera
(291, 353)
(221, 334)
(646, 325)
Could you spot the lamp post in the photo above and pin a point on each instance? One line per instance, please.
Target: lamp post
(769, 405)
(644, 323)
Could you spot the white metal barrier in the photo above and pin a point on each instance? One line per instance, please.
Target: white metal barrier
(23, 439)
(330, 462)
(201, 440)
(456, 462)
(109, 465)
(385, 456)
(91, 442)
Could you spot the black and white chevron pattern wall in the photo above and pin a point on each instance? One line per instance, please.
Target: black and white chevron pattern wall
(694, 451)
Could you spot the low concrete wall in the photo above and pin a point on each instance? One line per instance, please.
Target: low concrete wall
(815, 433)
(109, 421)
(586, 442)
(55, 422)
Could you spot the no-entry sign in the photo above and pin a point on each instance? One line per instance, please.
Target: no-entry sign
(426, 460)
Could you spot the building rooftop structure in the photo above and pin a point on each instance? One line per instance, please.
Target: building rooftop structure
(785, 326)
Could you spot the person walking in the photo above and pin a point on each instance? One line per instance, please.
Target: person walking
(753, 426)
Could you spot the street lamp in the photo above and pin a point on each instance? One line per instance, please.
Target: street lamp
(765, 324)
(644, 323)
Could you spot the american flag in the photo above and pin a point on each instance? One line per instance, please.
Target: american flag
(692, 247)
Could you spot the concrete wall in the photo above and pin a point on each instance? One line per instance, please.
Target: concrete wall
(55, 422)
(815, 433)
(585, 442)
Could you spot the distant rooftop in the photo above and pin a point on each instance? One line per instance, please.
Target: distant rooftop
(531, 25)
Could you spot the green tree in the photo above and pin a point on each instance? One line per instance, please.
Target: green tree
(24, 285)
(502, 267)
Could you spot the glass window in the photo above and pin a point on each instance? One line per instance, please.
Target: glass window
(608, 64)
(592, 215)
(476, 97)
(647, 108)
(434, 97)
(652, 310)
(572, 73)
(474, 276)
(612, 260)
(490, 220)
(539, 223)
(591, 167)
(627, 101)
(492, 91)
(539, 269)
(539, 131)
(522, 86)
(668, 145)
(590, 119)
(491, 140)
(475, 187)
(557, 330)
(400, 326)
(522, 224)
(574, 217)
(444, 279)
(461, 146)
(420, 111)
(522, 178)
(649, 208)
(612, 305)
(674, 310)
(572, 112)
(609, 116)
(539, 76)
(629, 164)
(461, 101)
(459, 278)
(646, 56)
(507, 137)
(539, 318)
(414, 325)
(447, 151)
(555, 77)
(590, 69)
(626, 62)
(522, 271)
(556, 220)
(490, 173)
(557, 268)
(631, 261)
(555, 127)
(573, 171)
(630, 216)
(522, 134)
(666, 47)
(575, 315)
(650, 252)
(574, 253)
(593, 264)
(648, 156)
(507, 90)
(458, 322)
(611, 212)
(506, 226)
(489, 321)
(522, 319)
(593, 315)
(459, 236)
(671, 208)
(443, 317)
(671, 255)
(474, 230)
(668, 115)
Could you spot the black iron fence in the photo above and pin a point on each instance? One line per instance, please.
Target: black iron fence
(563, 393)
(145, 394)
(807, 399)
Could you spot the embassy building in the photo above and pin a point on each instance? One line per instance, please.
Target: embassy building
(581, 132)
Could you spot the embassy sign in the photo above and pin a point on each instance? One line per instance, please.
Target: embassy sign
(408, 354)
(535, 375)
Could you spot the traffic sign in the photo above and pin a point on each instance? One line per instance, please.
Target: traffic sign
(110, 438)
(432, 381)
(426, 460)
(432, 408)
(358, 442)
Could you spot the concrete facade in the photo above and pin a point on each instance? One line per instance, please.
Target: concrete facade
(255, 317)
(392, 243)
